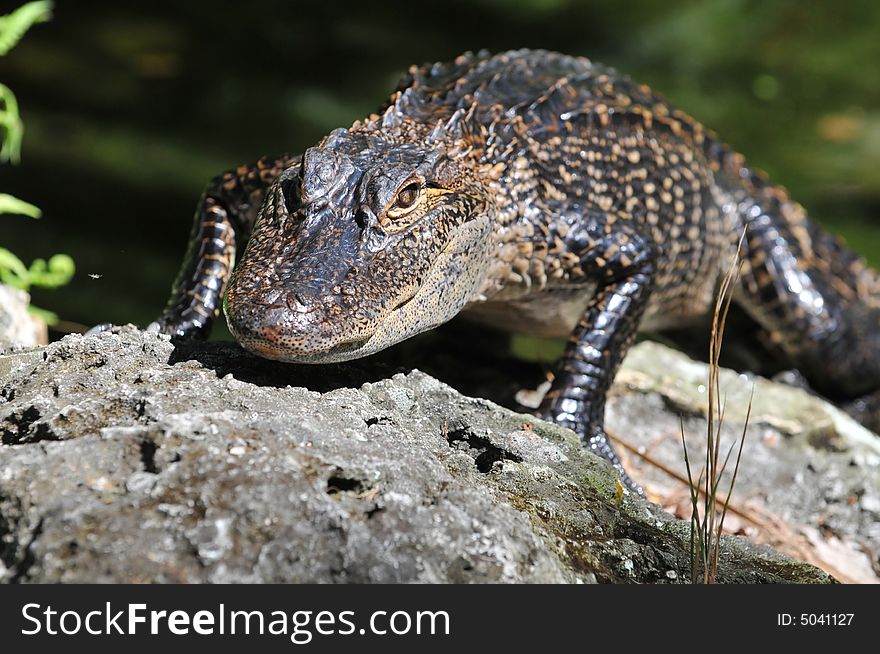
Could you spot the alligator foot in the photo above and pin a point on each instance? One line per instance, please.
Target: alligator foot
(596, 441)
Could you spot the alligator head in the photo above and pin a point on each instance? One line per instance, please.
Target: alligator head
(372, 238)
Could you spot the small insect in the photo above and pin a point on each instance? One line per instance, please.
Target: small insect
(95, 276)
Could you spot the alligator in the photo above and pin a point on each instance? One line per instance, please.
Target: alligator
(537, 192)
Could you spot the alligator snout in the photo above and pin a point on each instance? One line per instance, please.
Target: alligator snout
(293, 326)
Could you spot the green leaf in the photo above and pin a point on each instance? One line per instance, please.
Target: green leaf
(11, 127)
(13, 272)
(58, 272)
(14, 25)
(10, 204)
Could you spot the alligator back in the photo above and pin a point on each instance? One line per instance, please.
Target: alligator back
(561, 136)
(556, 135)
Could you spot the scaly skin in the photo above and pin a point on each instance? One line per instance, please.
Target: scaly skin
(537, 192)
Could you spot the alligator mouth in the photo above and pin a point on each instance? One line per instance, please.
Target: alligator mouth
(278, 351)
(402, 303)
(386, 329)
(270, 342)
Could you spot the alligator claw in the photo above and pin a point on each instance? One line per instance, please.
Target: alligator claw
(98, 329)
(596, 441)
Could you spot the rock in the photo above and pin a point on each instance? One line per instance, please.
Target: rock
(17, 326)
(809, 480)
(125, 460)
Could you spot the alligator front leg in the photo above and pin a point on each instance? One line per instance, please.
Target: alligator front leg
(223, 223)
(614, 253)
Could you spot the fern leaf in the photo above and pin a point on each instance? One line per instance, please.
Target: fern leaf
(11, 127)
(14, 25)
(10, 204)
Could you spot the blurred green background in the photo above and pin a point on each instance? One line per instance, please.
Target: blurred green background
(130, 108)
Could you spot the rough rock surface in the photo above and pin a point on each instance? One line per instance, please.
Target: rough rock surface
(123, 459)
(809, 480)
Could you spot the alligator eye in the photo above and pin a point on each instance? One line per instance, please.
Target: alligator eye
(406, 198)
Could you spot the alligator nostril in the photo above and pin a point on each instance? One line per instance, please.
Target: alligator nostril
(365, 218)
(299, 303)
(290, 193)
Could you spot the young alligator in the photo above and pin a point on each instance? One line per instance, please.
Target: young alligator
(540, 193)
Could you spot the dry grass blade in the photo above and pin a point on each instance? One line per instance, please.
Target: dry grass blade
(695, 496)
(742, 441)
(706, 529)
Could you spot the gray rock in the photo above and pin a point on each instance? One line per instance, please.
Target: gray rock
(17, 326)
(125, 460)
(809, 480)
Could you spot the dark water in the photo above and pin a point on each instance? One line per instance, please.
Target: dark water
(129, 110)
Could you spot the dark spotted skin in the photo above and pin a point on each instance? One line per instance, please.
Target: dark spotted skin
(537, 192)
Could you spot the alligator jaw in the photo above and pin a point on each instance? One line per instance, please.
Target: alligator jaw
(340, 352)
